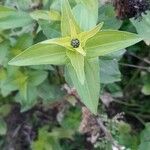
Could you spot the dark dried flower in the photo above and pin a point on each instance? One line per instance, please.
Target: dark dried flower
(75, 43)
(131, 8)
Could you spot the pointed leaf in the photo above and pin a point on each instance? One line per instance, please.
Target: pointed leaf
(80, 50)
(65, 42)
(73, 29)
(65, 17)
(24, 90)
(45, 15)
(143, 26)
(1, 39)
(3, 127)
(24, 41)
(50, 29)
(84, 36)
(86, 14)
(109, 41)
(5, 11)
(77, 61)
(40, 54)
(89, 91)
(109, 71)
(107, 14)
(37, 77)
(3, 52)
(30, 98)
(10, 18)
(144, 138)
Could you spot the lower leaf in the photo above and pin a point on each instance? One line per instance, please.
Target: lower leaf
(77, 61)
(89, 91)
(40, 54)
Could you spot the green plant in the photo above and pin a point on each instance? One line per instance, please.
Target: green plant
(39, 105)
(82, 60)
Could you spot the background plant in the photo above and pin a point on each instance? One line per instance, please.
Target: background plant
(38, 88)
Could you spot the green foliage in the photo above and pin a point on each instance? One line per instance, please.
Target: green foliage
(86, 21)
(79, 60)
(142, 27)
(3, 127)
(109, 71)
(10, 18)
(37, 60)
(50, 140)
(72, 119)
(145, 142)
(107, 15)
(146, 86)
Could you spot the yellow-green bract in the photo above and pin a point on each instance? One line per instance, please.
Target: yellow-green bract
(82, 63)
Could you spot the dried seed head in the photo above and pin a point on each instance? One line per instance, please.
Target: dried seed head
(131, 8)
(75, 43)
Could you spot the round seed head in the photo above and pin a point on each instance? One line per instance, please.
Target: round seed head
(75, 43)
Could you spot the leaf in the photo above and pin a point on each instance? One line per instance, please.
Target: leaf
(108, 16)
(45, 15)
(1, 39)
(91, 4)
(73, 30)
(20, 81)
(115, 55)
(89, 91)
(3, 52)
(42, 67)
(84, 36)
(10, 18)
(146, 87)
(3, 74)
(7, 81)
(50, 29)
(66, 16)
(77, 61)
(109, 41)
(89, 11)
(24, 5)
(24, 41)
(81, 50)
(143, 26)
(125, 137)
(3, 127)
(50, 140)
(56, 5)
(44, 142)
(37, 77)
(26, 83)
(5, 11)
(65, 42)
(5, 110)
(115, 90)
(85, 17)
(23, 89)
(72, 119)
(40, 54)
(145, 138)
(49, 92)
(109, 71)
(27, 97)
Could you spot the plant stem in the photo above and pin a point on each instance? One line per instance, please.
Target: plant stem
(107, 133)
(135, 66)
(136, 116)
